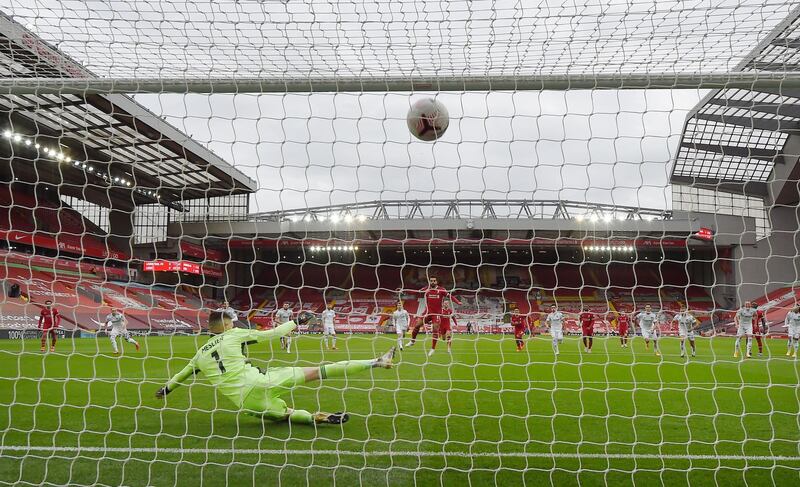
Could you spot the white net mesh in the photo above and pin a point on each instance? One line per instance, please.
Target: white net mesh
(163, 205)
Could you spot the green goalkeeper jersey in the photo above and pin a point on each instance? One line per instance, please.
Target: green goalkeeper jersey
(224, 364)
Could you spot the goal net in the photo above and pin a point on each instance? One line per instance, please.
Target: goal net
(608, 207)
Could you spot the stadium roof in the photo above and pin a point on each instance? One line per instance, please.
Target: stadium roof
(104, 147)
(734, 137)
(472, 219)
(464, 209)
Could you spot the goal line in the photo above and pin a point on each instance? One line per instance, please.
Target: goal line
(396, 454)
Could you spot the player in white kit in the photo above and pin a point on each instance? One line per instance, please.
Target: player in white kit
(744, 327)
(328, 330)
(792, 323)
(648, 323)
(228, 312)
(555, 320)
(686, 325)
(284, 315)
(117, 323)
(400, 320)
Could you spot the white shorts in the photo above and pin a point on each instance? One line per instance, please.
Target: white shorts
(745, 330)
(684, 333)
(557, 333)
(328, 330)
(649, 333)
(400, 329)
(113, 334)
(793, 331)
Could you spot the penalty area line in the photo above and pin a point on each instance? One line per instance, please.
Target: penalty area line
(400, 453)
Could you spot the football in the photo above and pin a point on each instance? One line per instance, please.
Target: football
(428, 119)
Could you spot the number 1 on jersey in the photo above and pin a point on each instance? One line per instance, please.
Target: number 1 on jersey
(219, 362)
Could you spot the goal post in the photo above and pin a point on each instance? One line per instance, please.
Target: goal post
(773, 81)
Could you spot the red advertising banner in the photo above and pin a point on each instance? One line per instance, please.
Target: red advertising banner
(90, 246)
(513, 242)
(704, 233)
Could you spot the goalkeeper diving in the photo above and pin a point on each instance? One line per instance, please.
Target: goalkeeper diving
(257, 392)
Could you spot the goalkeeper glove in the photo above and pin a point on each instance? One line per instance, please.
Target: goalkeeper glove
(161, 393)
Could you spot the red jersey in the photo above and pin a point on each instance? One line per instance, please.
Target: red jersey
(434, 298)
(623, 321)
(518, 321)
(49, 319)
(446, 317)
(757, 320)
(587, 319)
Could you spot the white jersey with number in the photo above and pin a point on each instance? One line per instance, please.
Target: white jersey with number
(283, 316)
(793, 323)
(400, 320)
(327, 317)
(685, 323)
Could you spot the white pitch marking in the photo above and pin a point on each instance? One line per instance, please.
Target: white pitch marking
(399, 453)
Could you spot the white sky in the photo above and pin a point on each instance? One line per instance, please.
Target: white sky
(601, 146)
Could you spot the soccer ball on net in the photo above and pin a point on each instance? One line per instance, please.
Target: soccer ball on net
(428, 119)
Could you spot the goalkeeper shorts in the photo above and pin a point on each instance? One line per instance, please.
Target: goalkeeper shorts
(264, 399)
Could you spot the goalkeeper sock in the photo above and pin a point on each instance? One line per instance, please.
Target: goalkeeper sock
(346, 367)
(300, 416)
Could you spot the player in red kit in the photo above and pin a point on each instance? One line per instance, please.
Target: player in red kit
(587, 326)
(759, 327)
(434, 300)
(49, 320)
(443, 329)
(623, 322)
(520, 324)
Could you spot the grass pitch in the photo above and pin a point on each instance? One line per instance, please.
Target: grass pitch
(482, 415)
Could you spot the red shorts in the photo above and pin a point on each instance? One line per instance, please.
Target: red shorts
(444, 328)
(756, 329)
(588, 330)
(431, 319)
(519, 331)
(623, 330)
